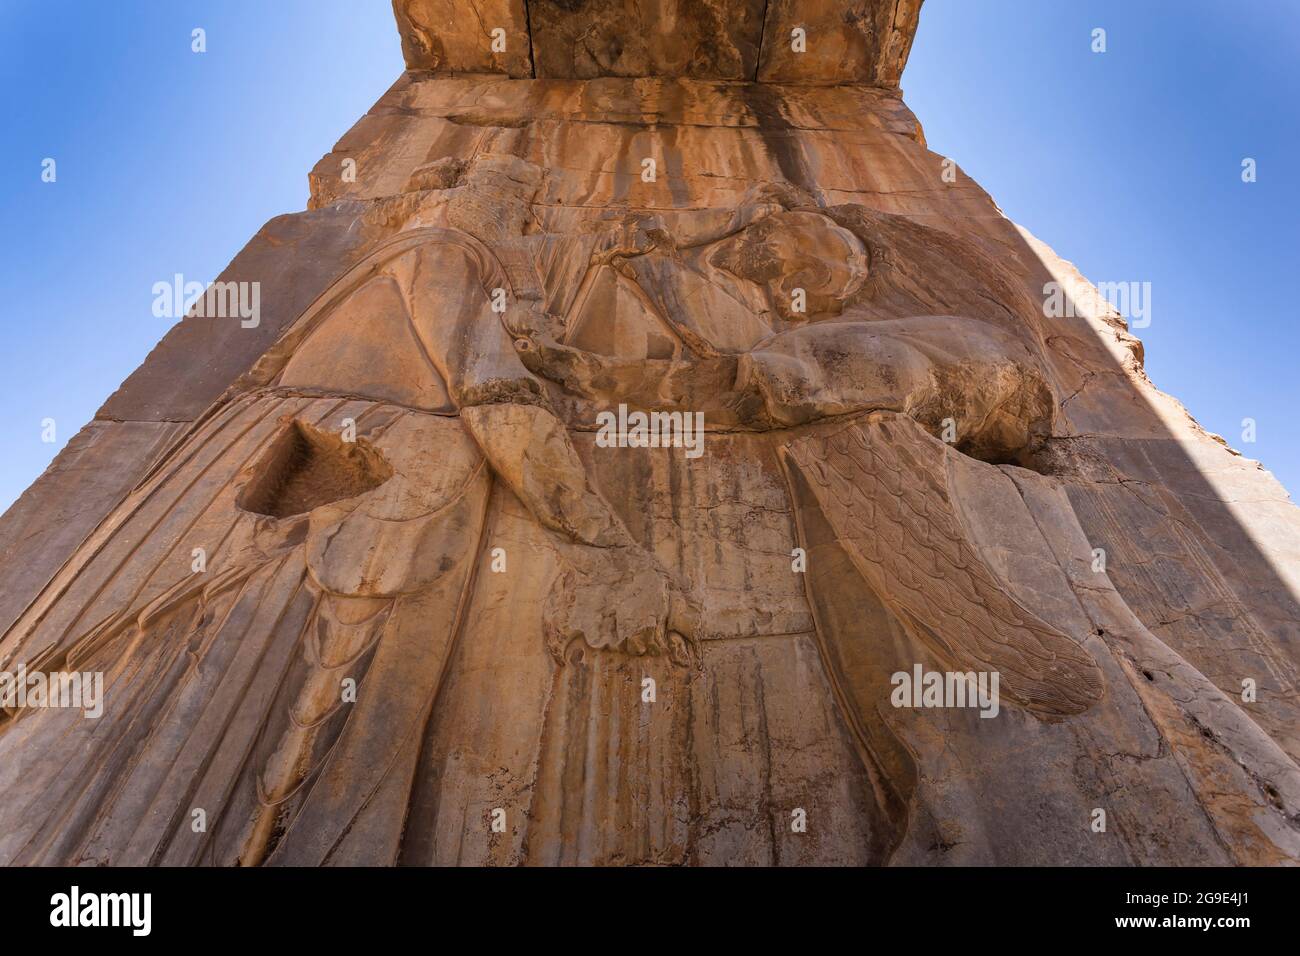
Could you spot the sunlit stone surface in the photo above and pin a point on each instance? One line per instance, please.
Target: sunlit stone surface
(373, 580)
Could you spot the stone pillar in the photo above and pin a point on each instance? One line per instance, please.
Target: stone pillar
(649, 452)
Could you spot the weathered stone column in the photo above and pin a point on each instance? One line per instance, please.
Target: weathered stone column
(649, 452)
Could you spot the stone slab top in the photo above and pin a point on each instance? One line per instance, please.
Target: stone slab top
(798, 42)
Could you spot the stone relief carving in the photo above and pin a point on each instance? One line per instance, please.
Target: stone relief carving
(904, 470)
(351, 563)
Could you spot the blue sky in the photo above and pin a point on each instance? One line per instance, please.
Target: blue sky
(1127, 163)
(168, 161)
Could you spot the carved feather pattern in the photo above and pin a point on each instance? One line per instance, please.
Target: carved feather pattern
(883, 486)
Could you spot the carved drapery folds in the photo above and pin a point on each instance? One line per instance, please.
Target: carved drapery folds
(444, 615)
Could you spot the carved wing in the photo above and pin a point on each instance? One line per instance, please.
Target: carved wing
(883, 487)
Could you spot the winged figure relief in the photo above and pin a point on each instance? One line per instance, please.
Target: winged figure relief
(277, 607)
(274, 605)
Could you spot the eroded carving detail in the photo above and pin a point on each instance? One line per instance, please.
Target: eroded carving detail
(350, 679)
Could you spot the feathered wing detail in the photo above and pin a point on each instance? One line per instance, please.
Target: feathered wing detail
(883, 487)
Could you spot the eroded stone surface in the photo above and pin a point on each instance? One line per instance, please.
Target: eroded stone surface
(859, 41)
(465, 36)
(497, 584)
(815, 42)
(697, 38)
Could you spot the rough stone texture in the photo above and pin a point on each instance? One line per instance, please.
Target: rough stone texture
(853, 41)
(697, 38)
(842, 41)
(456, 35)
(498, 584)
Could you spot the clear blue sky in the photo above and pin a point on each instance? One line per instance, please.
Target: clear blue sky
(1127, 163)
(168, 161)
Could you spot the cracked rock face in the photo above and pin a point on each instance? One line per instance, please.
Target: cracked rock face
(702, 38)
(646, 455)
(815, 42)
